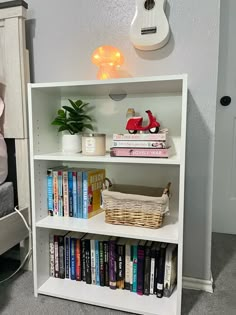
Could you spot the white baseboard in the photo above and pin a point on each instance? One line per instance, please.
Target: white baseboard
(198, 284)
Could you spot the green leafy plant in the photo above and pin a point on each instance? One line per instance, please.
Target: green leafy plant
(74, 118)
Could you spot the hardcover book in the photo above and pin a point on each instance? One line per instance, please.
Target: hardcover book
(161, 271)
(56, 256)
(65, 193)
(92, 185)
(51, 254)
(127, 264)
(61, 251)
(161, 136)
(140, 277)
(170, 278)
(134, 265)
(139, 152)
(147, 268)
(112, 262)
(139, 144)
(50, 189)
(121, 263)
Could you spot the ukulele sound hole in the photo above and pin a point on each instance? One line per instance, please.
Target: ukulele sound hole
(149, 4)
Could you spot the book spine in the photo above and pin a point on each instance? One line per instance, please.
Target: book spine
(170, 275)
(97, 266)
(140, 270)
(56, 256)
(135, 268)
(60, 194)
(87, 262)
(101, 264)
(51, 253)
(140, 136)
(67, 257)
(83, 260)
(80, 194)
(77, 260)
(112, 264)
(85, 195)
(74, 193)
(50, 192)
(65, 194)
(61, 257)
(55, 192)
(93, 275)
(152, 272)
(138, 152)
(127, 266)
(160, 273)
(120, 266)
(106, 263)
(70, 191)
(139, 144)
(72, 259)
(147, 269)
(157, 254)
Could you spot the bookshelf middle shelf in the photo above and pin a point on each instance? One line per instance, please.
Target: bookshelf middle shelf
(97, 225)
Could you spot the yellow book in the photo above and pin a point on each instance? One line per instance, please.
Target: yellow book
(92, 186)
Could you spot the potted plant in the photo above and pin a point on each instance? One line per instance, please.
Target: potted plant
(72, 120)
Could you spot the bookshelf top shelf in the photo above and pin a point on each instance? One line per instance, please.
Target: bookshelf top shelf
(167, 233)
(139, 85)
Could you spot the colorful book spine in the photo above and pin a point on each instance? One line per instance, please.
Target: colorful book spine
(77, 260)
(135, 268)
(106, 263)
(83, 260)
(97, 266)
(80, 194)
(141, 136)
(67, 257)
(55, 193)
(139, 144)
(50, 191)
(161, 271)
(93, 261)
(138, 152)
(65, 194)
(72, 259)
(127, 266)
(56, 256)
(140, 276)
(74, 194)
(101, 264)
(61, 256)
(112, 263)
(60, 194)
(147, 268)
(85, 194)
(51, 253)
(88, 262)
(70, 191)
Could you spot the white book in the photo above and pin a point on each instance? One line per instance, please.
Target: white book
(170, 278)
(93, 260)
(51, 253)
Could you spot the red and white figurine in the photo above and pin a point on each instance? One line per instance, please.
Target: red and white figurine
(134, 124)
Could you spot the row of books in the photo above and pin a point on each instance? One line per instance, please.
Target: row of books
(140, 266)
(141, 145)
(74, 192)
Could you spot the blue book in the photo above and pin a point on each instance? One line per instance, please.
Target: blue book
(60, 194)
(70, 192)
(74, 194)
(80, 194)
(134, 253)
(50, 192)
(72, 258)
(97, 265)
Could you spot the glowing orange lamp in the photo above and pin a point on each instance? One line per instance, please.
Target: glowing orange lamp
(108, 59)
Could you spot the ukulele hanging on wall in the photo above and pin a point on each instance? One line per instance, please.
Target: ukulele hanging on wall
(150, 28)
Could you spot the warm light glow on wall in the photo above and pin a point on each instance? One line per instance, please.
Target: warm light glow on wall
(108, 59)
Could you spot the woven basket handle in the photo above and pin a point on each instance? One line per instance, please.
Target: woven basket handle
(167, 189)
(106, 183)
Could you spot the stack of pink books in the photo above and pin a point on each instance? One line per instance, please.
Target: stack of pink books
(140, 145)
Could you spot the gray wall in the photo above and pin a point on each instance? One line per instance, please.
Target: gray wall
(61, 37)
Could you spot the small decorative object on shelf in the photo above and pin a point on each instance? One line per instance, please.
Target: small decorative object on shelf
(141, 145)
(134, 124)
(108, 59)
(136, 205)
(72, 119)
(93, 144)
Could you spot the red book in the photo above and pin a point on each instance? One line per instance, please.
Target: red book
(77, 261)
(138, 152)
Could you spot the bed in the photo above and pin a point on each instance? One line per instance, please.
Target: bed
(14, 75)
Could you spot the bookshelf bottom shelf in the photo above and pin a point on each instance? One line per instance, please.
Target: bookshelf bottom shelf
(122, 300)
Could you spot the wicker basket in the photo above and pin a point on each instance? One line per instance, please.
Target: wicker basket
(135, 205)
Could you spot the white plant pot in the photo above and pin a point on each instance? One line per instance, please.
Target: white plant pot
(71, 143)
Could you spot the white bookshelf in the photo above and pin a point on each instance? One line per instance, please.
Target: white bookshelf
(166, 97)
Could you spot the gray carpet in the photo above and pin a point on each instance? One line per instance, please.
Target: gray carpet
(16, 296)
